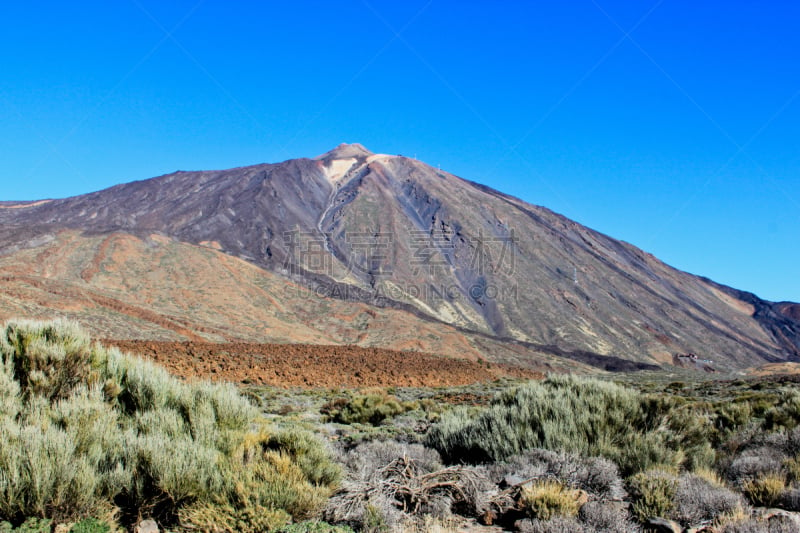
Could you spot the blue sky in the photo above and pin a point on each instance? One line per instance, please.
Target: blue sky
(673, 125)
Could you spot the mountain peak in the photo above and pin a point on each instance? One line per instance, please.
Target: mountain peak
(346, 151)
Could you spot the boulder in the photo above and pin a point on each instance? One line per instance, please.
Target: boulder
(662, 525)
(147, 526)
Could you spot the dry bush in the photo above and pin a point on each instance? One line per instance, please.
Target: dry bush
(394, 480)
(598, 476)
(558, 524)
(760, 525)
(747, 525)
(699, 500)
(754, 463)
(364, 461)
(606, 517)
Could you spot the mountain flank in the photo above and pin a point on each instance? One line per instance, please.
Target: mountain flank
(352, 247)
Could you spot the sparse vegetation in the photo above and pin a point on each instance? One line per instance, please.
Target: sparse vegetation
(95, 439)
(88, 428)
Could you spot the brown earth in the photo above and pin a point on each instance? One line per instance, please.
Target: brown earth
(306, 365)
(156, 288)
(774, 369)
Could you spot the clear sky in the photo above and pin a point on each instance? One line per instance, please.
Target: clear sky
(671, 124)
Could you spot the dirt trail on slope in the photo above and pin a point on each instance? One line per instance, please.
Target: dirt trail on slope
(304, 365)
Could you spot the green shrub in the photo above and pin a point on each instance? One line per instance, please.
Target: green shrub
(31, 525)
(547, 499)
(567, 413)
(308, 453)
(731, 416)
(272, 480)
(374, 522)
(365, 409)
(220, 517)
(652, 494)
(792, 467)
(786, 413)
(90, 525)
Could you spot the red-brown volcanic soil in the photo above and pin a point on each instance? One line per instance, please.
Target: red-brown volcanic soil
(305, 365)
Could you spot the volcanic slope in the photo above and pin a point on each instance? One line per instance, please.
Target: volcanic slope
(393, 234)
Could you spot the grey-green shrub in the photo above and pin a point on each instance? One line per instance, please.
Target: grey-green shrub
(90, 525)
(48, 358)
(274, 479)
(309, 455)
(52, 469)
(86, 428)
(567, 413)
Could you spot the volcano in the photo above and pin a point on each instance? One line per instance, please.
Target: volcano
(353, 247)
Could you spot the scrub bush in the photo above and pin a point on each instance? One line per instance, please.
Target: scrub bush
(86, 428)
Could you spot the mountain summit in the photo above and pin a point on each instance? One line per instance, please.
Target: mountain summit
(346, 151)
(403, 254)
